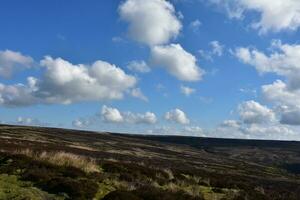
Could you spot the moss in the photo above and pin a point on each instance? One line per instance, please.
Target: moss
(103, 190)
(12, 188)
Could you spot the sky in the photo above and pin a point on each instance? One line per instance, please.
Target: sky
(208, 68)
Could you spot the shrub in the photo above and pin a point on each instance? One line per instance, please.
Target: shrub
(151, 193)
(76, 189)
(121, 195)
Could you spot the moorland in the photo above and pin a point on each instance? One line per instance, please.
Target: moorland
(51, 163)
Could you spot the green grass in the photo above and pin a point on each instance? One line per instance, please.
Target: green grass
(12, 188)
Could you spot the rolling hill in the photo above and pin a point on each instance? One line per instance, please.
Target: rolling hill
(52, 163)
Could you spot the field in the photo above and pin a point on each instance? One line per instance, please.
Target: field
(50, 163)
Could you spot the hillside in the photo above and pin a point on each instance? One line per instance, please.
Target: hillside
(51, 163)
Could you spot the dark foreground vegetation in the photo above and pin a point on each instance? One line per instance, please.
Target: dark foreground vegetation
(47, 163)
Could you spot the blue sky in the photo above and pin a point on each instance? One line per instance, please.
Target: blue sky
(216, 68)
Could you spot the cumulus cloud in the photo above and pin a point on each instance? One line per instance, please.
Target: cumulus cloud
(291, 117)
(137, 93)
(138, 66)
(63, 82)
(138, 118)
(260, 122)
(18, 94)
(279, 94)
(187, 91)
(177, 116)
(151, 22)
(283, 60)
(252, 112)
(238, 129)
(113, 115)
(276, 131)
(273, 15)
(287, 101)
(110, 114)
(177, 62)
(11, 62)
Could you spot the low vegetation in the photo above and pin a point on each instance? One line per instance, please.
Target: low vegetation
(13, 188)
(63, 159)
(89, 170)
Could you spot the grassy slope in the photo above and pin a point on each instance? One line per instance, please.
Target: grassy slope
(12, 188)
(196, 168)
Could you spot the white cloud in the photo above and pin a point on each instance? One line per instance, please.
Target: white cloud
(187, 91)
(284, 59)
(279, 94)
(117, 39)
(18, 94)
(11, 61)
(177, 116)
(276, 131)
(81, 123)
(138, 66)
(231, 124)
(164, 130)
(244, 55)
(195, 24)
(274, 15)
(137, 118)
(28, 121)
(194, 131)
(248, 91)
(231, 7)
(21, 120)
(110, 114)
(291, 117)
(180, 15)
(252, 112)
(237, 129)
(151, 22)
(137, 93)
(216, 50)
(177, 62)
(205, 54)
(113, 115)
(287, 101)
(63, 82)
